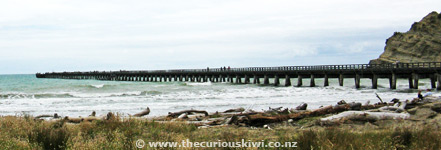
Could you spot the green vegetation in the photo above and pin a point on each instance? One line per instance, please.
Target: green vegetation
(118, 133)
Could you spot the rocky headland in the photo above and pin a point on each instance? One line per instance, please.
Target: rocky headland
(422, 43)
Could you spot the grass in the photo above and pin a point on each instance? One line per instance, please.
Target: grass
(27, 133)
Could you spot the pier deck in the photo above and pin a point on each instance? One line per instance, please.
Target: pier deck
(254, 75)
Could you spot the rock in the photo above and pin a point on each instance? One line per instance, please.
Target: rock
(422, 43)
(436, 107)
(422, 114)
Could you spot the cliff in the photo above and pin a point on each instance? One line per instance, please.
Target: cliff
(422, 43)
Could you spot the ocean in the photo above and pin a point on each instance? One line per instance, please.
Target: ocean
(25, 94)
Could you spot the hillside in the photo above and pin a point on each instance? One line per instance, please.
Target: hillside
(422, 43)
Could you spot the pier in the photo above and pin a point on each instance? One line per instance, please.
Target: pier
(262, 75)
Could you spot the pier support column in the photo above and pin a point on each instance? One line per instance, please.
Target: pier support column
(299, 81)
(357, 81)
(341, 80)
(192, 78)
(231, 79)
(256, 80)
(265, 80)
(374, 81)
(433, 81)
(326, 82)
(411, 82)
(438, 77)
(170, 78)
(199, 78)
(276, 80)
(415, 80)
(221, 78)
(287, 80)
(393, 81)
(216, 79)
(156, 78)
(238, 79)
(247, 79)
(312, 83)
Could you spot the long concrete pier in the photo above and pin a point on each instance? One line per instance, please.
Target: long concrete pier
(254, 75)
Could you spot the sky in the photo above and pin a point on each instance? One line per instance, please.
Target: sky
(86, 35)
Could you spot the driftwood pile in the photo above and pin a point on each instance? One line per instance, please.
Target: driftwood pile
(340, 112)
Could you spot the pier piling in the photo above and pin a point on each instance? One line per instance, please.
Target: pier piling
(410, 71)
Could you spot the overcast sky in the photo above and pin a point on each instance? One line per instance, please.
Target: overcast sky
(83, 35)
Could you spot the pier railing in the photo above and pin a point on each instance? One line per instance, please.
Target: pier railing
(282, 68)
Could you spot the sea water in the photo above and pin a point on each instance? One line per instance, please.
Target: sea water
(25, 94)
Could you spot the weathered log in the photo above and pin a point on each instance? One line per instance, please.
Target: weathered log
(89, 119)
(396, 108)
(341, 102)
(330, 110)
(260, 119)
(143, 113)
(366, 116)
(73, 120)
(375, 106)
(93, 114)
(302, 106)
(110, 116)
(355, 106)
(176, 114)
(235, 110)
(45, 116)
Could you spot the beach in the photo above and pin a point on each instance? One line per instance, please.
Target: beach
(25, 94)
(207, 112)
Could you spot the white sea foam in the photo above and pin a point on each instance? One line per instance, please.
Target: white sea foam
(98, 85)
(198, 84)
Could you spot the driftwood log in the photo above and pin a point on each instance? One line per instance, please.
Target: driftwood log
(260, 119)
(176, 114)
(93, 114)
(302, 106)
(366, 116)
(45, 116)
(143, 113)
(235, 110)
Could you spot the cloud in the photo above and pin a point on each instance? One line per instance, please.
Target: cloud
(118, 34)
